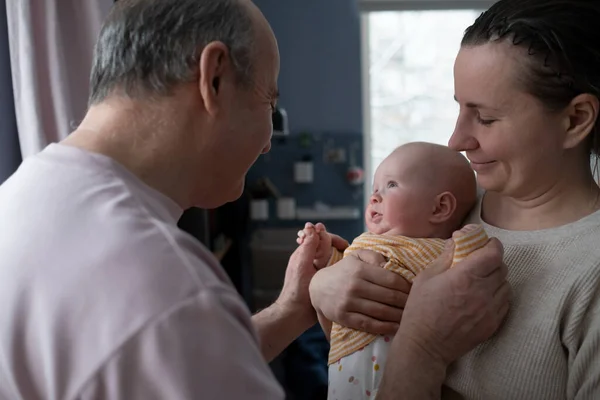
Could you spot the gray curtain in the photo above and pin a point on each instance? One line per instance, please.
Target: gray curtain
(10, 153)
(51, 47)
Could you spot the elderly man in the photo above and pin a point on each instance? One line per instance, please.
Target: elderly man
(104, 298)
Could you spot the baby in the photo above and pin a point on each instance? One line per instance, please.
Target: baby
(422, 192)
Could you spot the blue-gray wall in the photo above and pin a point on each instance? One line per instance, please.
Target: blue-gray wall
(320, 79)
(321, 89)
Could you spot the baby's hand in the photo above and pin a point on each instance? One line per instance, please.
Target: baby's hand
(324, 249)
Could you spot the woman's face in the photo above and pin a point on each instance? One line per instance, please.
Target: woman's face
(514, 144)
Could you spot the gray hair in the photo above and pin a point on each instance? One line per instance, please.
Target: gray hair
(147, 47)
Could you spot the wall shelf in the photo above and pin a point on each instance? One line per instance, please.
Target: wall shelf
(337, 213)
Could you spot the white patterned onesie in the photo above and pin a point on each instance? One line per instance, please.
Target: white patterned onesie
(358, 375)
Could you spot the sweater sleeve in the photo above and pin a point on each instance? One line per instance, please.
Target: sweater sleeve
(581, 337)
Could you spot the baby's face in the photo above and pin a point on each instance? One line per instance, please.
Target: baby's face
(401, 204)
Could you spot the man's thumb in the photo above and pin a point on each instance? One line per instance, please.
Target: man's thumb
(444, 261)
(338, 242)
(308, 248)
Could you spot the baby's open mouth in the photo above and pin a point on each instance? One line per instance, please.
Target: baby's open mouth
(375, 214)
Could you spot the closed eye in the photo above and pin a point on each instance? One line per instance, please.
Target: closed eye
(485, 122)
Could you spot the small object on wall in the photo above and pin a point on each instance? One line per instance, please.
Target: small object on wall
(280, 122)
(322, 211)
(335, 156)
(259, 209)
(355, 176)
(286, 208)
(305, 140)
(303, 171)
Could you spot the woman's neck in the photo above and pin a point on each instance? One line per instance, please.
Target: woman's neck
(563, 203)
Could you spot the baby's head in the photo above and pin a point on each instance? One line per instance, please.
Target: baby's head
(421, 190)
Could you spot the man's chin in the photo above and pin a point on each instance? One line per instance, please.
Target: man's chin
(223, 197)
(234, 193)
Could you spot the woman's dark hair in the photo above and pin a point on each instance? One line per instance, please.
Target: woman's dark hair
(562, 38)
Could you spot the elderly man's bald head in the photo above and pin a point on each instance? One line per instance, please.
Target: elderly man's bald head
(147, 47)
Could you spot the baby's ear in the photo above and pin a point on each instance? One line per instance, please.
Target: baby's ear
(444, 207)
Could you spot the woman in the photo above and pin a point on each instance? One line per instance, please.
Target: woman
(527, 79)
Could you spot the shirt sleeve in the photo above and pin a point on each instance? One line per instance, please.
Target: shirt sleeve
(203, 348)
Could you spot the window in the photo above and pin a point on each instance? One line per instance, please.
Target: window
(408, 59)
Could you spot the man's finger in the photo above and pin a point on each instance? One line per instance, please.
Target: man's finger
(338, 242)
(308, 248)
(324, 236)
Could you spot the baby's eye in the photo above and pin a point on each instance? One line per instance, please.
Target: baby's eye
(391, 184)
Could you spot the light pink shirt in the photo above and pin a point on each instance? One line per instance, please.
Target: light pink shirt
(103, 297)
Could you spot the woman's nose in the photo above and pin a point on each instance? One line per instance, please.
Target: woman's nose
(462, 139)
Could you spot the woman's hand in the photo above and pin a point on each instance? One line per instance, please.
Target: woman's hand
(358, 293)
(454, 309)
(450, 311)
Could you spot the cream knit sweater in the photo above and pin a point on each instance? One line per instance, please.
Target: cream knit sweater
(549, 345)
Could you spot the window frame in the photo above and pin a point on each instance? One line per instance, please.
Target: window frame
(365, 8)
(422, 5)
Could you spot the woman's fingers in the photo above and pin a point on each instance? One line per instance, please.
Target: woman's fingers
(367, 324)
(384, 278)
(365, 290)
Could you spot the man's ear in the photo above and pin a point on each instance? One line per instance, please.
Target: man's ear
(582, 114)
(443, 208)
(214, 61)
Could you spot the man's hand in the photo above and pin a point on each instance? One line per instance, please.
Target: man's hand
(357, 293)
(324, 249)
(292, 313)
(300, 270)
(326, 241)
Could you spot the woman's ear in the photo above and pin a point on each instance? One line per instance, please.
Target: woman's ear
(443, 208)
(582, 114)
